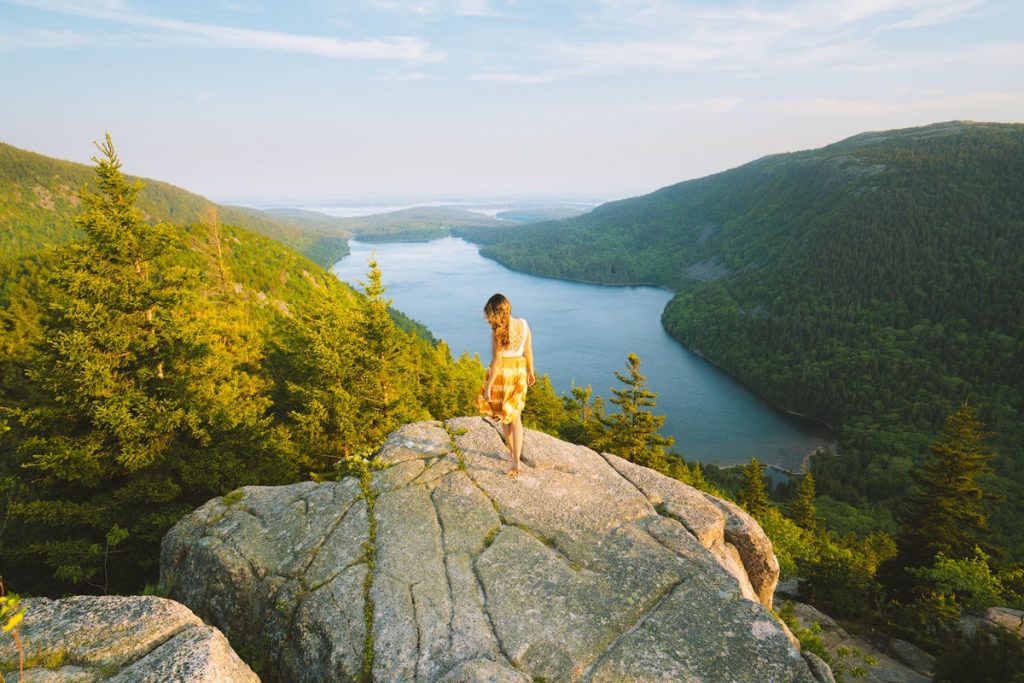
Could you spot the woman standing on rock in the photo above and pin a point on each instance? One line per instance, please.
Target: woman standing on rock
(503, 396)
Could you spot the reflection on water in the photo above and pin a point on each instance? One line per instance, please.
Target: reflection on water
(582, 334)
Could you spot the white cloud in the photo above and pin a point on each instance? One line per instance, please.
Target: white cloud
(640, 55)
(930, 14)
(917, 90)
(406, 77)
(47, 39)
(995, 55)
(434, 8)
(512, 78)
(401, 48)
(475, 8)
(959, 106)
(821, 106)
(680, 37)
(712, 106)
(418, 7)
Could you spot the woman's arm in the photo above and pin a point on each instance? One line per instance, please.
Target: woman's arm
(492, 370)
(528, 352)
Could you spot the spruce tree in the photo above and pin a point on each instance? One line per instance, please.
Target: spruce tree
(632, 432)
(323, 413)
(355, 377)
(386, 380)
(584, 413)
(948, 515)
(142, 413)
(753, 494)
(801, 508)
(544, 409)
(447, 386)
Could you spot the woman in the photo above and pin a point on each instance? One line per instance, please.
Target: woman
(503, 396)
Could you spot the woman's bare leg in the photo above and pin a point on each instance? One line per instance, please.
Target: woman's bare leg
(506, 430)
(516, 442)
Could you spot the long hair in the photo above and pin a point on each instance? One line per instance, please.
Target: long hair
(498, 311)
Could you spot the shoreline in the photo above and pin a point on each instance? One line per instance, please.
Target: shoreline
(833, 431)
(793, 436)
(781, 408)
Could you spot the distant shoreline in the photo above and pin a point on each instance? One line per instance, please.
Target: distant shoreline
(832, 431)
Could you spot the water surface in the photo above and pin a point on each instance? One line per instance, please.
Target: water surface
(582, 333)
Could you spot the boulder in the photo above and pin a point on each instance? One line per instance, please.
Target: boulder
(440, 567)
(911, 655)
(1006, 618)
(124, 639)
(882, 660)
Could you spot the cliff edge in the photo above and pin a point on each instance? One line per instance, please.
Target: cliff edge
(439, 567)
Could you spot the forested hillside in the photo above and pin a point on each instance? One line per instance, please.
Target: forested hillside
(419, 223)
(39, 197)
(874, 284)
(149, 367)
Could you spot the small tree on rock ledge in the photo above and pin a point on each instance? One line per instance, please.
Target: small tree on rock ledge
(753, 495)
(632, 433)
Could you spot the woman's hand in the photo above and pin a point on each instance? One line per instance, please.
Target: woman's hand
(530, 379)
(487, 390)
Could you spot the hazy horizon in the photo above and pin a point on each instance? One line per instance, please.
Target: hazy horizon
(244, 100)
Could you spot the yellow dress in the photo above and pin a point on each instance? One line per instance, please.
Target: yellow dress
(508, 394)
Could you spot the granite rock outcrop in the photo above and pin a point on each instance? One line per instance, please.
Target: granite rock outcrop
(437, 566)
(120, 639)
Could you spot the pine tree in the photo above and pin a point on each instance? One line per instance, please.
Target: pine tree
(801, 508)
(632, 433)
(323, 413)
(447, 386)
(142, 412)
(697, 479)
(544, 409)
(753, 495)
(356, 376)
(584, 413)
(386, 379)
(110, 339)
(948, 515)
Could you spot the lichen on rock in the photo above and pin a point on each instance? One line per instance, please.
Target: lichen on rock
(123, 639)
(584, 568)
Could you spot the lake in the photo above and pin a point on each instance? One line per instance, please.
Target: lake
(582, 333)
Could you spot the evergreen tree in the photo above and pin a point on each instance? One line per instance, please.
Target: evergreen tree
(448, 387)
(632, 433)
(544, 409)
(323, 412)
(355, 376)
(385, 380)
(753, 495)
(584, 414)
(697, 479)
(801, 508)
(141, 412)
(948, 514)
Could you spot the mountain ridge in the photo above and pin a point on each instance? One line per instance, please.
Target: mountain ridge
(873, 284)
(38, 199)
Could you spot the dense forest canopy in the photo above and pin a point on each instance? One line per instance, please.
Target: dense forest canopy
(147, 367)
(39, 198)
(874, 284)
(416, 224)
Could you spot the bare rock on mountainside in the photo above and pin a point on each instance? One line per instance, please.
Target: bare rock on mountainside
(120, 639)
(439, 567)
(1002, 617)
(882, 660)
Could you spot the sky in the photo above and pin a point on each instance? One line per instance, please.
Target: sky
(326, 101)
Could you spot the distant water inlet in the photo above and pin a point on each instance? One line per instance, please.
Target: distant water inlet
(582, 334)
